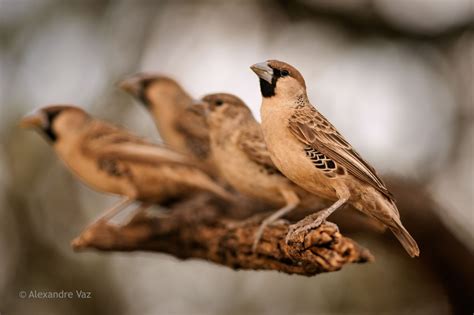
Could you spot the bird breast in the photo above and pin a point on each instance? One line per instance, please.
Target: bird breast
(289, 156)
(246, 176)
(93, 172)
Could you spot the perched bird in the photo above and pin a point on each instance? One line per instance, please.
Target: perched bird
(309, 150)
(176, 119)
(244, 162)
(113, 160)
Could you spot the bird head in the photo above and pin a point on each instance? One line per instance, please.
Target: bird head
(279, 78)
(55, 120)
(223, 107)
(149, 88)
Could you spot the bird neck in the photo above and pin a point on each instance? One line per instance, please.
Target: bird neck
(222, 129)
(282, 103)
(68, 145)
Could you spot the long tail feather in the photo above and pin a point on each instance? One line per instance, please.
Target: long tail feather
(388, 214)
(405, 239)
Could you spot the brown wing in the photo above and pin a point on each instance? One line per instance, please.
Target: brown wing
(313, 129)
(194, 128)
(252, 143)
(108, 142)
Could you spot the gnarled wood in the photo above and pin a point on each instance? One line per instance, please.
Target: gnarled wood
(201, 230)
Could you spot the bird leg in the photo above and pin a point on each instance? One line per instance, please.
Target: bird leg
(292, 201)
(114, 210)
(134, 212)
(314, 220)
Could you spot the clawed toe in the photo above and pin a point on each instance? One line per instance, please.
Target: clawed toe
(273, 219)
(289, 235)
(259, 233)
(302, 227)
(315, 224)
(258, 237)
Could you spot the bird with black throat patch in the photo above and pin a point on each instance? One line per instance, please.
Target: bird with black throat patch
(177, 121)
(113, 160)
(310, 151)
(244, 162)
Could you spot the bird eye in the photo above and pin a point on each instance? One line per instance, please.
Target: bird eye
(284, 73)
(219, 102)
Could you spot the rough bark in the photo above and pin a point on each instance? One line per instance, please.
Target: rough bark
(201, 230)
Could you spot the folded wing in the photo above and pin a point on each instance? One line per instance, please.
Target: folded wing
(313, 129)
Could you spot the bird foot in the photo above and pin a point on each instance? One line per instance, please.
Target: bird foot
(261, 228)
(302, 227)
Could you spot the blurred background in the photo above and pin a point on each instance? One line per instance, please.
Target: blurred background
(396, 78)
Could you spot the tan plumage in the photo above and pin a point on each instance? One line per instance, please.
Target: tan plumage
(313, 129)
(251, 142)
(170, 105)
(113, 160)
(243, 160)
(309, 150)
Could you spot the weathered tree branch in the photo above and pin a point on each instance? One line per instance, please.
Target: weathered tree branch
(194, 230)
